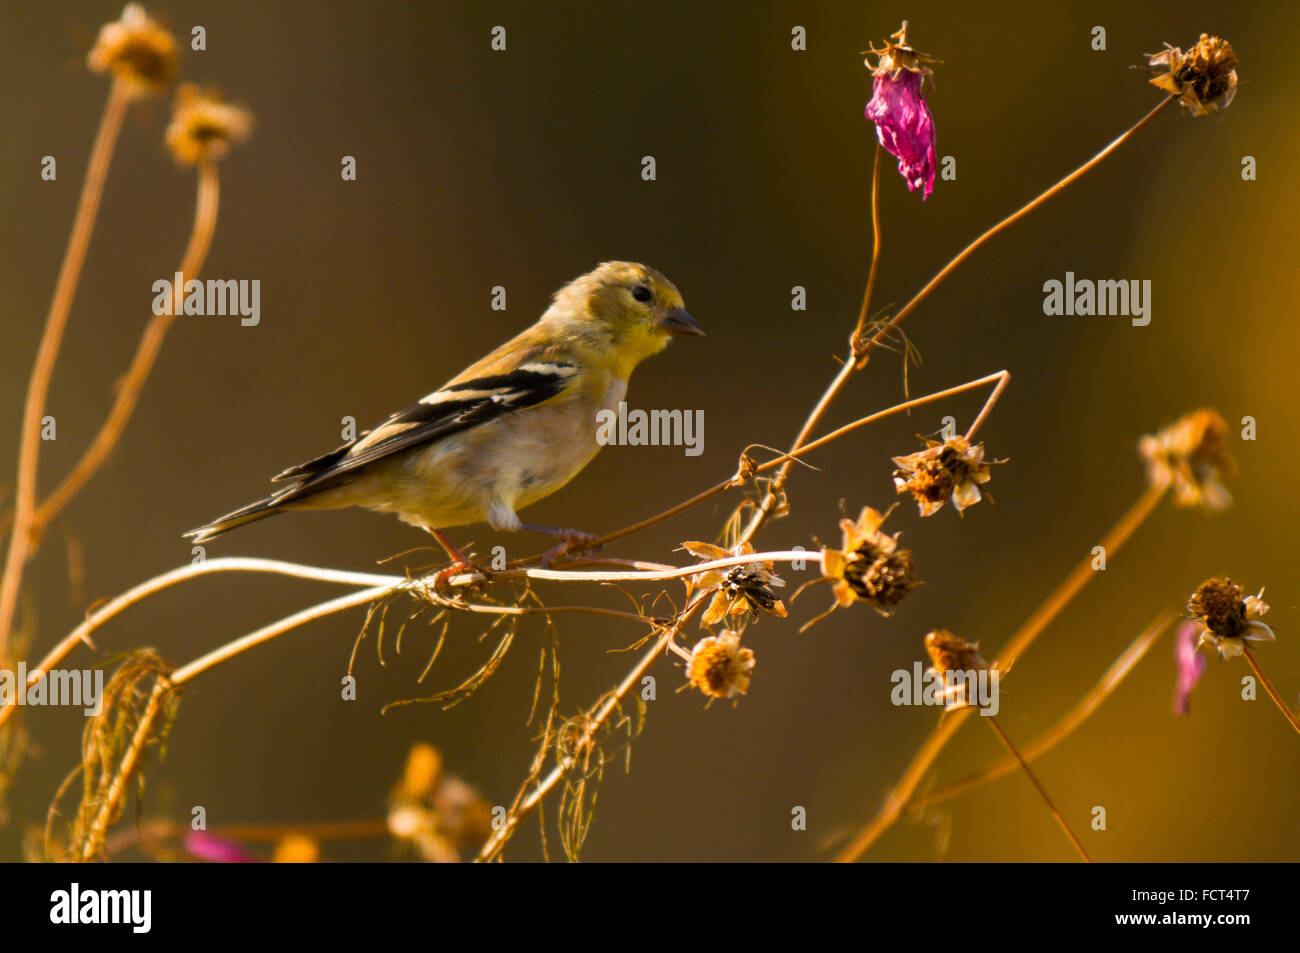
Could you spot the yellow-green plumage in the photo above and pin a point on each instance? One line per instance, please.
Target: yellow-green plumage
(507, 431)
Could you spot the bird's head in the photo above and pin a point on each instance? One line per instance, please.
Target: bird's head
(632, 307)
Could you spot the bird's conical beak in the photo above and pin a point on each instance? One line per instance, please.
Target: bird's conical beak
(678, 322)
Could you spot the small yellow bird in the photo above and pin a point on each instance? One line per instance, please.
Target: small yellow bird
(504, 433)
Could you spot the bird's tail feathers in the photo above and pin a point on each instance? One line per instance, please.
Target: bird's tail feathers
(245, 514)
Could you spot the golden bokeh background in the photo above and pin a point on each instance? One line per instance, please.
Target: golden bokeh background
(522, 169)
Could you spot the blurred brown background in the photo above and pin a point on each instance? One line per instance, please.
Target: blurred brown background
(522, 169)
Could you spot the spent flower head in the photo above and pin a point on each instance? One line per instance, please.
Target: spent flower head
(440, 815)
(1191, 456)
(719, 667)
(946, 469)
(739, 589)
(870, 566)
(1204, 78)
(1228, 622)
(951, 658)
(136, 50)
(904, 125)
(204, 126)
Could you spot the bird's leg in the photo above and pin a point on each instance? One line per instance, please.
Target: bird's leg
(459, 561)
(569, 538)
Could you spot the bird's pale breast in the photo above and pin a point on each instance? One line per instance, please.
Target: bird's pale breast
(512, 461)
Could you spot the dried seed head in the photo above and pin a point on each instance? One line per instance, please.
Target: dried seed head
(951, 653)
(870, 567)
(740, 589)
(1218, 604)
(883, 581)
(1191, 456)
(956, 661)
(136, 50)
(1228, 621)
(1204, 78)
(951, 468)
(203, 126)
(438, 814)
(894, 57)
(719, 667)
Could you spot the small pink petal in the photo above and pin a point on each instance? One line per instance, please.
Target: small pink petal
(203, 846)
(1191, 664)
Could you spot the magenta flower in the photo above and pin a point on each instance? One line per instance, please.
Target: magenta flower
(1191, 664)
(203, 846)
(905, 127)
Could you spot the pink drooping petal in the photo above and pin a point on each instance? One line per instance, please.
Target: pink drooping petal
(203, 846)
(905, 127)
(1191, 664)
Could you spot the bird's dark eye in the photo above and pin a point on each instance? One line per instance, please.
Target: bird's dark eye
(641, 293)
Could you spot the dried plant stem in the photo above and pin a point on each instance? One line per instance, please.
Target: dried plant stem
(1001, 377)
(1010, 220)
(856, 361)
(377, 585)
(1078, 578)
(864, 313)
(145, 589)
(1272, 692)
(228, 651)
(590, 730)
(22, 540)
(997, 730)
(129, 388)
(1024, 636)
(652, 520)
(1077, 715)
(861, 349)
(111, 807)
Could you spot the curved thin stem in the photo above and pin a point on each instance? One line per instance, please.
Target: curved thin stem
(129, 388)
(1002, 735)
(228, 651)
(378, 586)
(1078, 578)
(859, 353)
(1272, 692)
(1011, 219)
(1001, 377)
(21, 539)
(864, 313)
(856, 360)
(147, 588)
